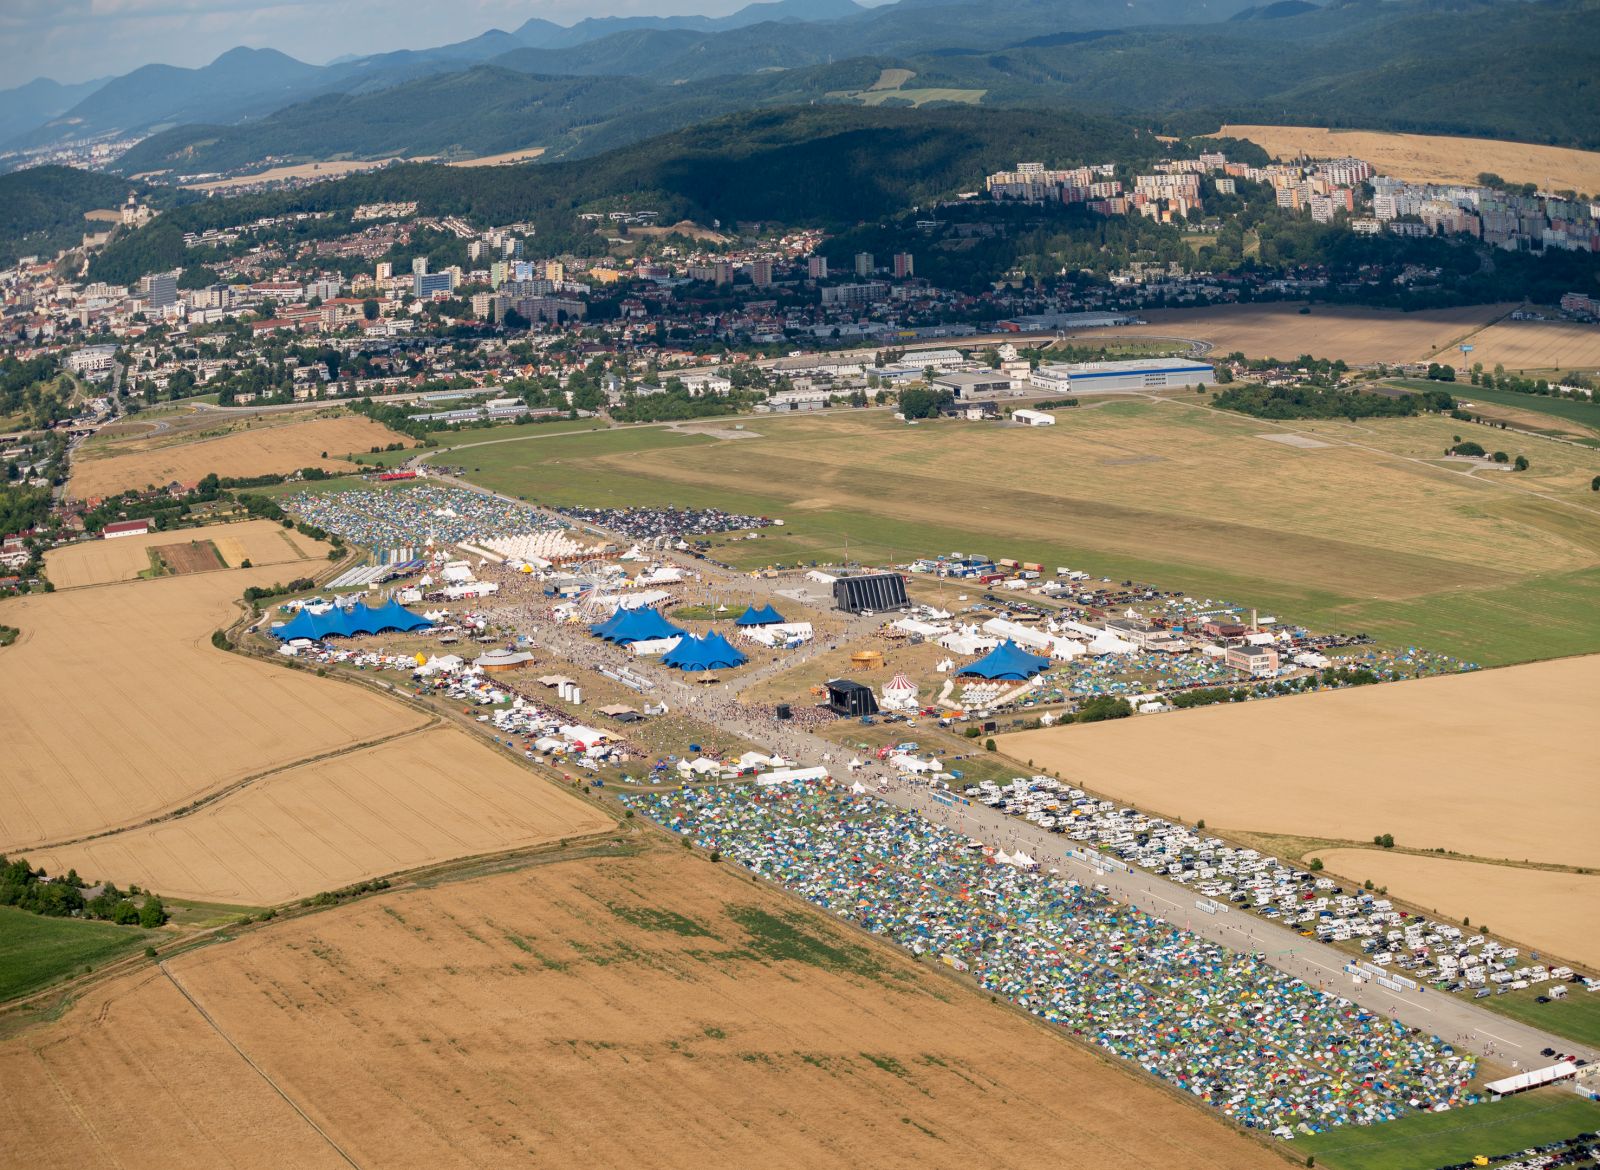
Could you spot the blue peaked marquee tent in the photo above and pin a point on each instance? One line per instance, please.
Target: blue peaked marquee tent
(712, 652)
(346, 623)
(765, 616)
(1007, 661)
(635, 625)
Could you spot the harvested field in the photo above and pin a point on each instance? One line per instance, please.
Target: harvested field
(275, 449)
(412, 801)
(261, 542)
(1531, 345)
(1558, 913)
(119, 708)
(657, 1011)
(1495, 764)
(186, 1097)
(195, 556)
(1281, 331)
(1433, 158)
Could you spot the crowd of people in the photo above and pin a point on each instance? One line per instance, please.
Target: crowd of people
(414, 516)
(1263, 1047)
(646, 523)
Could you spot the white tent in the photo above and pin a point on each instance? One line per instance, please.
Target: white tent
(900, 693)
(784, 776)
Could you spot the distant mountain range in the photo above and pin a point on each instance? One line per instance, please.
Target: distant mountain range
(1519, 69)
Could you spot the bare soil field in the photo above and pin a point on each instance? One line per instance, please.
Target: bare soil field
(1558, 913)
(1494, 764)
(101, 562)
(118, 707)
(1434, 158)
(411, 801)
(655, 1011)
(1281, 331)
(1532, 346)
(194, 556)
(280, 448)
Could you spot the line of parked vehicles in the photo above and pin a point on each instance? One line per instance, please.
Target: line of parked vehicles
(1450, 958)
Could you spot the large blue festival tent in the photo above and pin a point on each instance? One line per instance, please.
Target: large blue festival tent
(765, 616)
(346, 623)
(1007, 661)
(627, 626)
(712, 652)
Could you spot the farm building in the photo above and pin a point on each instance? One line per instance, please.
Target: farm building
(126, 528)
(1125, 377)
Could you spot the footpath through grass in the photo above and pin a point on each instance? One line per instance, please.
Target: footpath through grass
(1429, 1140)
(36, 951)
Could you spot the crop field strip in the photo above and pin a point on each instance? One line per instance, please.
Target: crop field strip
(414, 800)
(1528, 345)
(1490, 765)
(102, 562)
(1554, 911)
(1281, 331)
(279, 448)
(113, 695)
(1433, 158)
(598, 1010)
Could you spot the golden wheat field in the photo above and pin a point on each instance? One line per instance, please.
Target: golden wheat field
(411, 801)
(1281, 331)
(655, 1011)
(1556, 912)
(267, 449)
(118, 707)
(1553, 346)
(1434, 158)
(101, 562)
(1495, 764)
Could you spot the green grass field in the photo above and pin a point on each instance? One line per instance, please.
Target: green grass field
(449, 440)
(1577, 1017)
(37, 951)
(1362, 535)
(1586, 414)
(1428, 1140)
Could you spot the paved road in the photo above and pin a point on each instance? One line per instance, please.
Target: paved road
(1453, 1018)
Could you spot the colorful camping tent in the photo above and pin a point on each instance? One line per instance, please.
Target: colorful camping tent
(1007, 661)
(711, 652)
(765, 616)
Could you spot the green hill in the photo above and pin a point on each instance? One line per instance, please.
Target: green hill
(826, 165)
(42, 209)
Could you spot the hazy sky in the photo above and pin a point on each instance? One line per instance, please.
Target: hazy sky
(74, 40)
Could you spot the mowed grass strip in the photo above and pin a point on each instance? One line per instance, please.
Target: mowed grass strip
(36, 951)
(1427, 1140)
(1345, 537)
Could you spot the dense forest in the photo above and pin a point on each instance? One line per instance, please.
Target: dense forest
(1284, 402)
(1520, 71)
(826, 165)
(42, 209)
